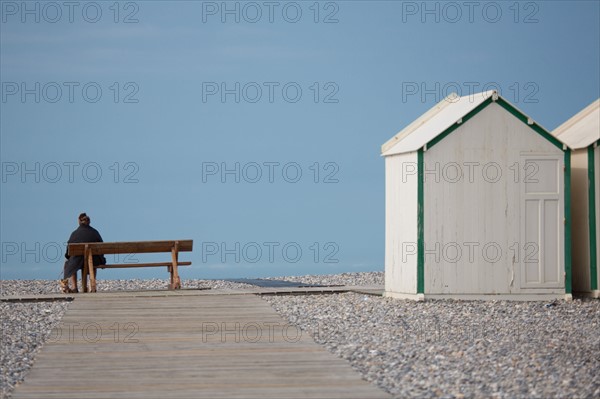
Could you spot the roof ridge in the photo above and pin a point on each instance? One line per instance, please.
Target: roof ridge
(565, 126)
(411, 127)
(452, 104)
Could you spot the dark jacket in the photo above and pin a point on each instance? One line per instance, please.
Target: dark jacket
(84, 233)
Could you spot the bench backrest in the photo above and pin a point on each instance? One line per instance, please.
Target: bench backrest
(103, 248)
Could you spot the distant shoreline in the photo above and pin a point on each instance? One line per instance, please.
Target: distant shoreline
(40, 286)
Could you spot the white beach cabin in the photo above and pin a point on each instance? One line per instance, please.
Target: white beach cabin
(582, 134)
(477, 197)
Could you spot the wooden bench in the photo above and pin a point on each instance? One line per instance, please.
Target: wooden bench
(89, 249)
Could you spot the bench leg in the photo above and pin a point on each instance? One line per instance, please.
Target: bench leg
(175, 281)
(90, 264)
(84, 286)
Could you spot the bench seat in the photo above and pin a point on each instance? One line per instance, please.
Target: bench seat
(126, 265)
(89, 249)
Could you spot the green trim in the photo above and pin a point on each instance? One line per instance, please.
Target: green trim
(568, 223)
(507, 106)
(420, 226)
(592, 217)
(455, 126)
(523, 118)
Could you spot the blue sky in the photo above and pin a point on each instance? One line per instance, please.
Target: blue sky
(132, 111)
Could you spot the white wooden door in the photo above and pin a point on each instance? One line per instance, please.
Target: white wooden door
(542, 221)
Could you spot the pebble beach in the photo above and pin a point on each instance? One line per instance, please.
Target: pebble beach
(432, 349)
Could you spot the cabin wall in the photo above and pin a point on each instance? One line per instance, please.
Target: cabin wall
(401, 224)
(494, 209)
(580, 231)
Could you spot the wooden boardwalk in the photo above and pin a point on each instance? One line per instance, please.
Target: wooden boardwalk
(185, 346)
(369, 290)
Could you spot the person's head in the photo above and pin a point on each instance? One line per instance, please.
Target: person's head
(84, 219)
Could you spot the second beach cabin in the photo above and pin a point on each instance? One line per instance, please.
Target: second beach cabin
(477, 205)
(582, 134)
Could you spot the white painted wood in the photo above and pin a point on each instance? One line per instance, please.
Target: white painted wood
(500, 297)
(401, 224)
(493, 206)
(399, 295)
(542, 222)
(443, 115)
(583, 129)
(474, 193)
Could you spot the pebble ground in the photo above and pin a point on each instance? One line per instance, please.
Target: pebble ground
(457, 349)
(432, 349)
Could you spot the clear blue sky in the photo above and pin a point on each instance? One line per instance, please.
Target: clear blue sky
(134, 121)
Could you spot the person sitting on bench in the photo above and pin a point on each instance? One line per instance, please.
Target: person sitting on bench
(84, 233)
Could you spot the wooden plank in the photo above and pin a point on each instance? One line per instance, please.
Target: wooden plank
(152, 264)
(89, 266)
(84, 273)
(218, 346)
(127, 247)
(188, 291)
(175, 281)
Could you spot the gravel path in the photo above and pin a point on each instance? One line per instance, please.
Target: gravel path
(368, 278)
(31, 287)
(456, 349)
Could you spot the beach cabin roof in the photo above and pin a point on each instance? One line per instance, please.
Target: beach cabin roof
(583, 129)
(446, 114)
